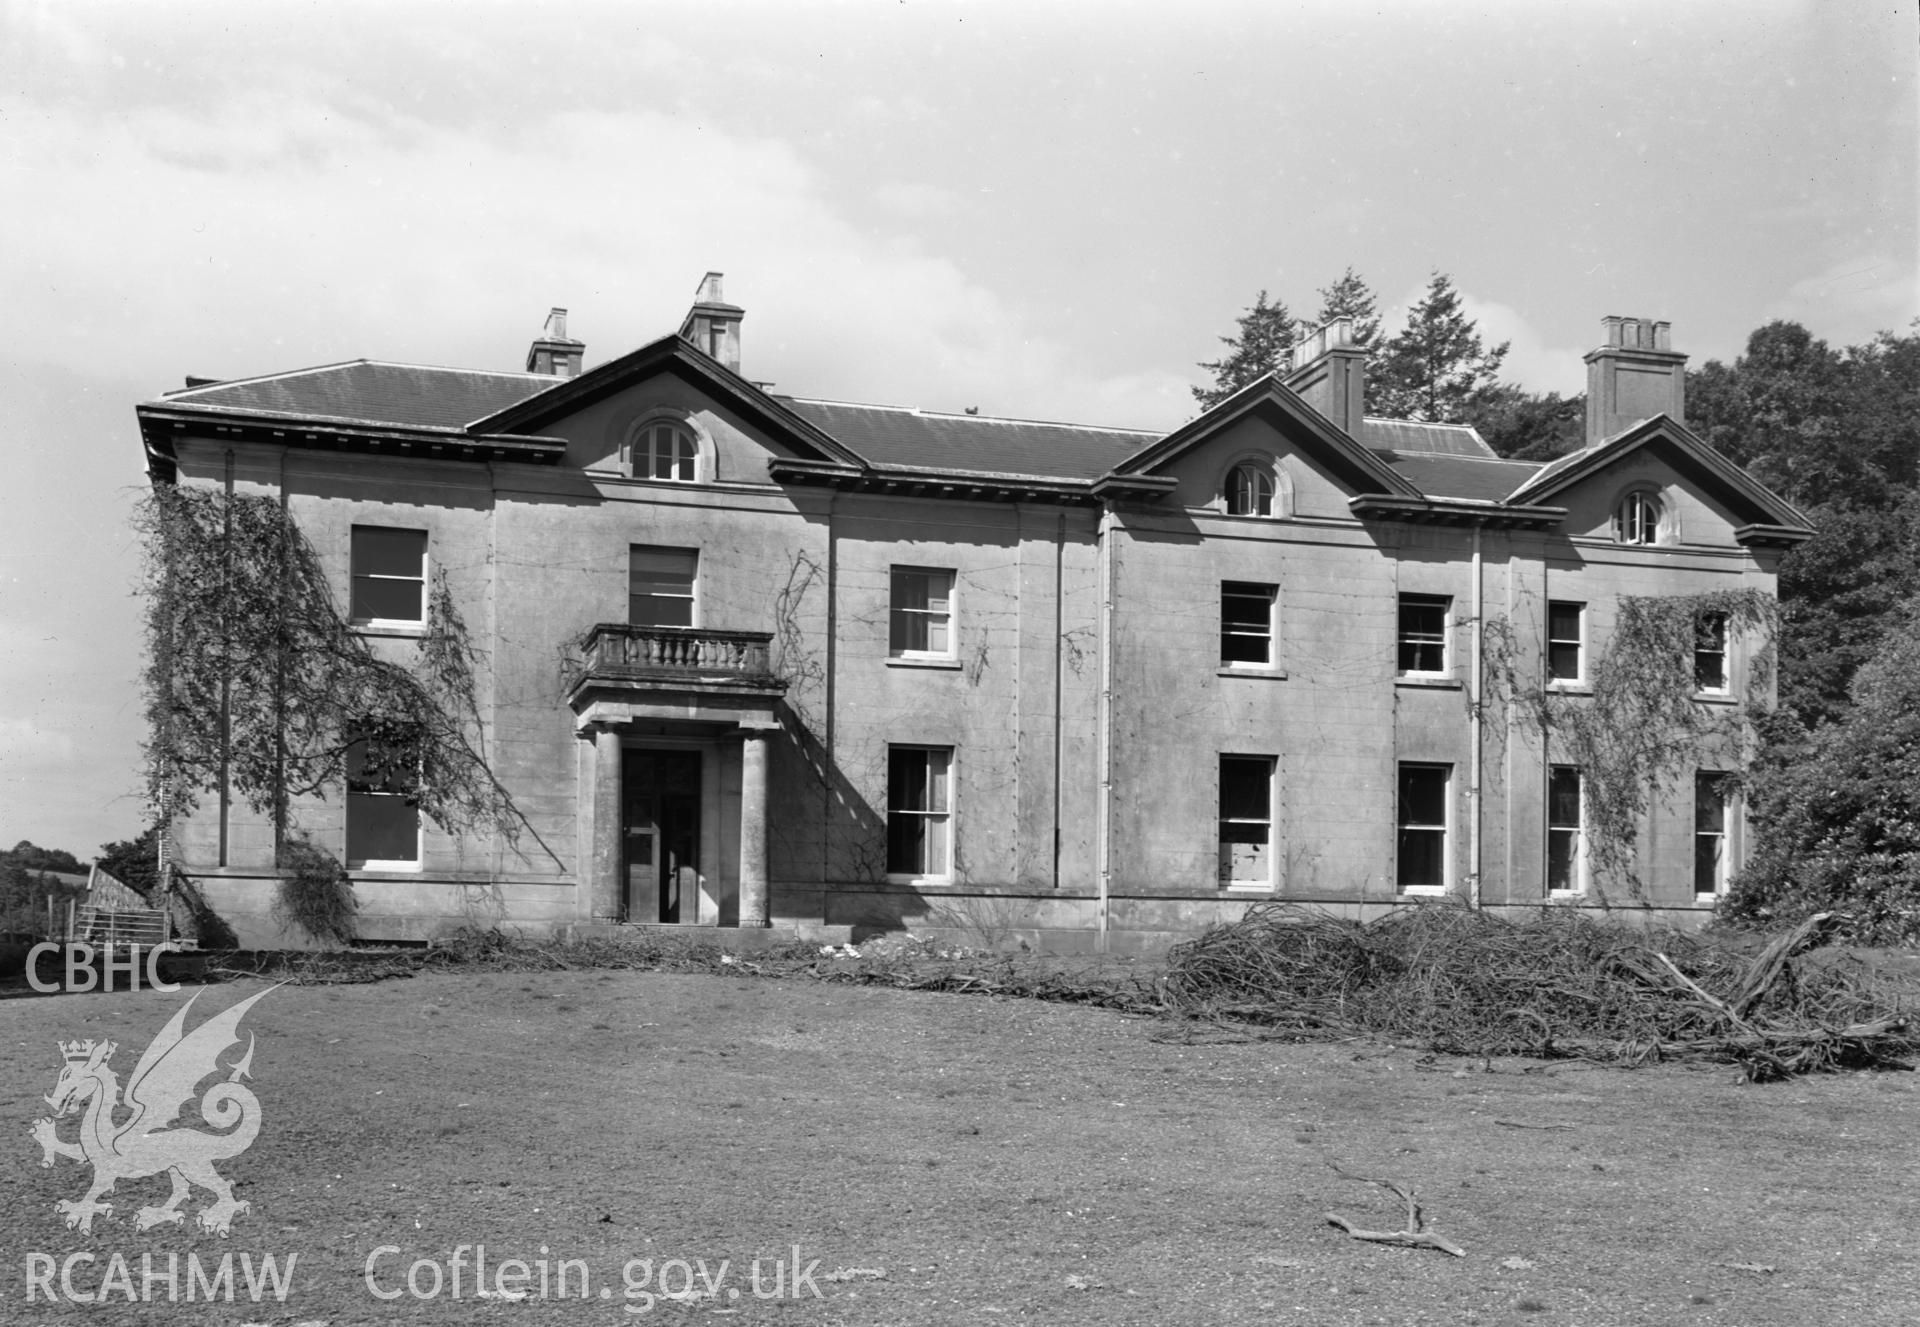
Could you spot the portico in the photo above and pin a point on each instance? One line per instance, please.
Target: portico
(678, 720)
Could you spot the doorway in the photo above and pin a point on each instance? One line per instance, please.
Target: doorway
(662, 824)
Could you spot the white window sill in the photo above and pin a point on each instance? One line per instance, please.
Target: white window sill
(919, 879)
(1439, 681)
(1251, 670)
(1715, 697)
(1247, 887)
(385, 868)
(916, 661)
(1566, 893)
(1570, 687)
(387, 627)
(1422, 891)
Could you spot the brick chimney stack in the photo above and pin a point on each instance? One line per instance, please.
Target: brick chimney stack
(1637, 374)
(712, 324)
(1330, 373)
(553, 351)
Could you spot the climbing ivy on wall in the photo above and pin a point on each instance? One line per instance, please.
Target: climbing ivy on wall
(251, 664)
(1639, 731)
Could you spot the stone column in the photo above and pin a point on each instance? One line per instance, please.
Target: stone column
(753, 828)
(609, 846)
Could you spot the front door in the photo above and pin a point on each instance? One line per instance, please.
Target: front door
(662, 793)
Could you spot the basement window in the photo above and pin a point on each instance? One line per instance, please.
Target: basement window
(919, 812)
(389, 577)
(1246, 624)
(1423, 634)
(1420, 864)
(383, 815)
(1246, 822)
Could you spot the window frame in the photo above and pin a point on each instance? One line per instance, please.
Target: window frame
(643, 456)
(1443, 829)
(691, 597)
(1713, 782)
(1577, 642)
(930, 872)
(899, 613)
(1714, 644)
(355, 576)
(1639, 518)
(1404, 640)
(1263, 489)
(361, 797)
(1227, 827)
(1577, 860)
(1250, 591)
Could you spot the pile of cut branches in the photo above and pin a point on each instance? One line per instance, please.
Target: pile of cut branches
(1466, 982)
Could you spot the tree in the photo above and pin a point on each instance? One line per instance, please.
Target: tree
(1838, 810)
(1437, 364)
(1351, 297)
(1525, 426)
(133, 862)
(1840, 594)
(1266, 336)
(1787, 411)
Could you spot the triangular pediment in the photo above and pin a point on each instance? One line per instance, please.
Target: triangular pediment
(675, 357)
(1320, 442)
(1713, 477)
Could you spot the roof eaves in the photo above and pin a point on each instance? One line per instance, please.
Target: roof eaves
(918, 481)
(325, 434)
(1455, 511)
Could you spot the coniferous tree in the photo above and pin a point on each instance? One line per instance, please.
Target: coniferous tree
(1433, 369)
(1351, 297)
(1266, 335)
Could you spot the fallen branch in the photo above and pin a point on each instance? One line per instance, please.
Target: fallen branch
(1415, 1236)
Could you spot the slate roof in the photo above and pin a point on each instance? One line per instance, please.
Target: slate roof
(1475, 478)
(899, 436)
(373, 392)
(1441, 460)
(1408, 435)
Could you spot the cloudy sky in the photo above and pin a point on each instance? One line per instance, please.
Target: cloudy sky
(1044, 209)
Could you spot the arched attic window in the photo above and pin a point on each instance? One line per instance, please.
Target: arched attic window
(1250, 489)
(666, 449)
(1637, 517)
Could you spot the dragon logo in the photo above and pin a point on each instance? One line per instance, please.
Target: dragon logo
(142, 1144)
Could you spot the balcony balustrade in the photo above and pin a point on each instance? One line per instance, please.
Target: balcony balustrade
(617, 653)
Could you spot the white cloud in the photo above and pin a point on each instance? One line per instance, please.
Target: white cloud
(283, 230)
(1849, 300)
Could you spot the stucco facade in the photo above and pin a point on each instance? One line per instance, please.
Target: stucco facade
(753, 659)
